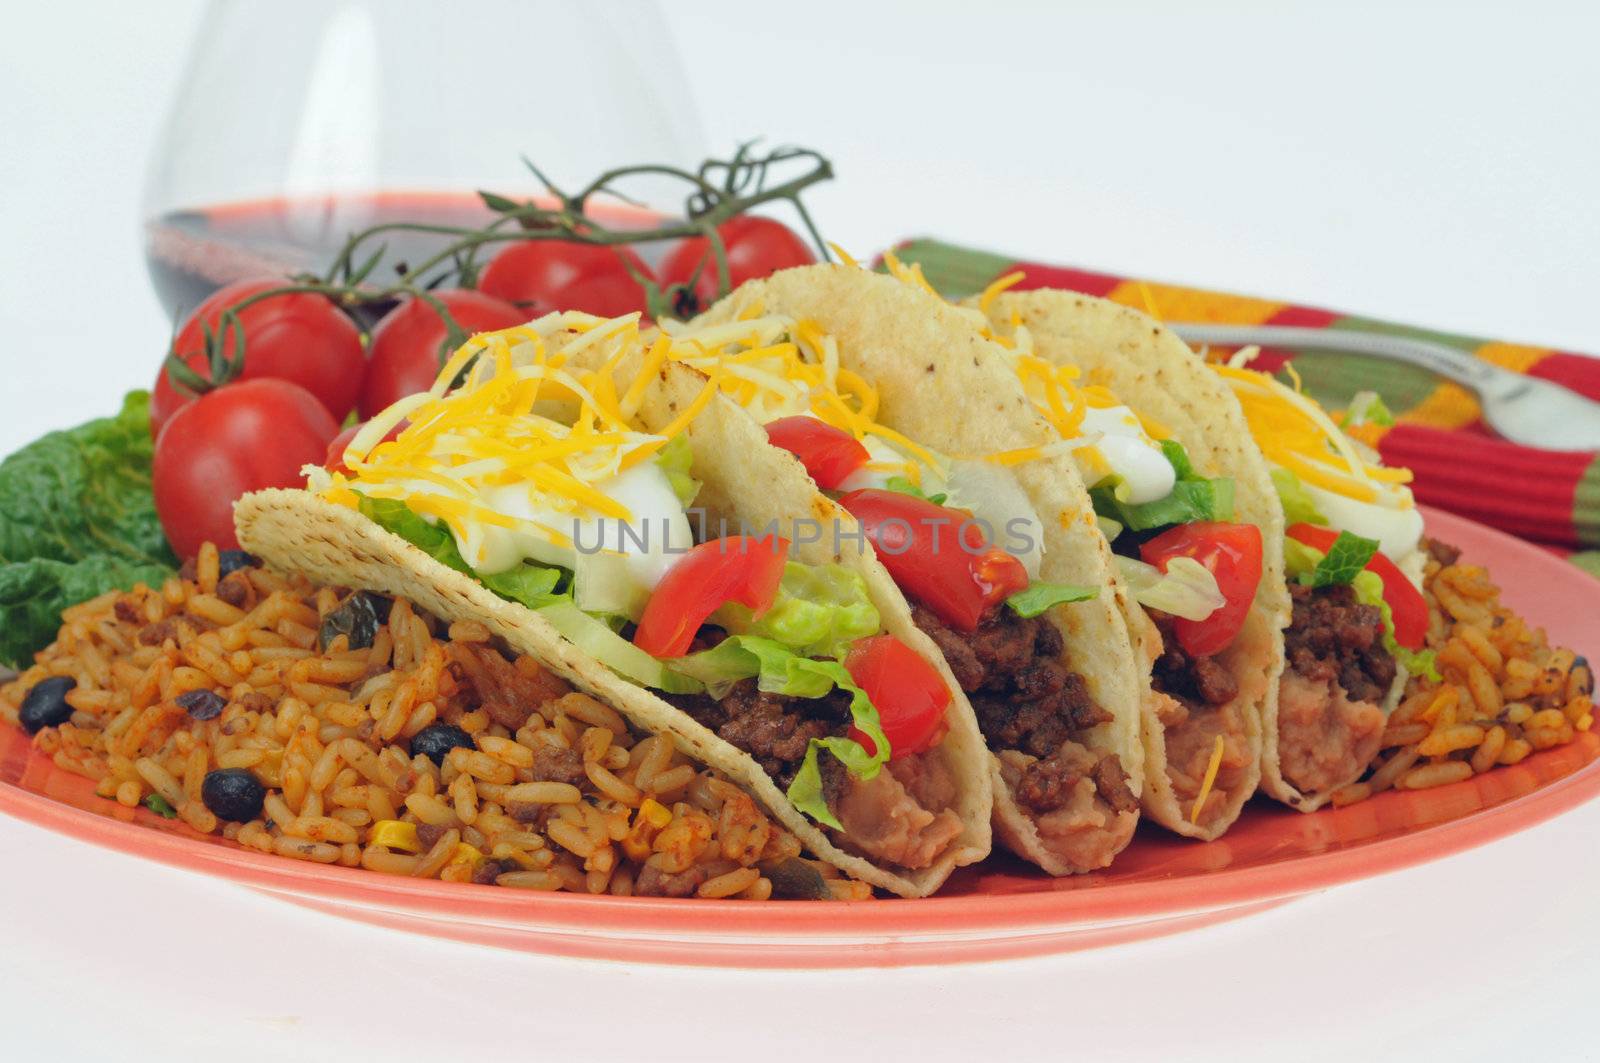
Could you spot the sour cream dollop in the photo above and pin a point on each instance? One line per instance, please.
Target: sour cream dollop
(1130, 453)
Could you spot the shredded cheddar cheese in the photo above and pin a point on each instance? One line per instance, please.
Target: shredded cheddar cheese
(1210, 780)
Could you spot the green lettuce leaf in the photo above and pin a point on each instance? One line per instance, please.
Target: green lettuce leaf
(77, 519)
(1346, 558)
(1300, 560)
(819, 611)
(1367, 407)
(160, 806)
(1298, 505)
(675, 459)
(530, 584)
(1368, 587)
(1041, 596)
(1192, 498)
(905, 487)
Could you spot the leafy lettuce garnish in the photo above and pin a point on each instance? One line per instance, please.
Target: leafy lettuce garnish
(778, 670)
(819, 611)
(1368, 587)
(675, 459)
(77, 519)
(1298, 505)
(1367, 407)
(1040, 596)
(529, 584)
(1347, 556)
(904, 486)
(1192, 498)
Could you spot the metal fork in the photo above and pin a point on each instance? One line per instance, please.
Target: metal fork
(1523, 409)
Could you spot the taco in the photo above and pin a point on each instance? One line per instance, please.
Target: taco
(902, 410)
(1187, 505)
(1354, 556)
(522, 492)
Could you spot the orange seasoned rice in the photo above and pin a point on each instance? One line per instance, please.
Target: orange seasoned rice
(560, 792)
(1503, 691)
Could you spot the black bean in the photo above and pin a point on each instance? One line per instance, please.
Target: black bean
(45, 704)
(231, 561)
(202, 704)
(796, 880)
(233, 794)
(358, 617)
(438, 739)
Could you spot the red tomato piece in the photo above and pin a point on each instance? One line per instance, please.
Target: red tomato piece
(908, 692)
(243, 437)
(408, 346)
(1407, 607)
(829, 454)
(960, 580)
(1232, 553)
(756, 246)
(544, 275)
(302, 338)
(738, 568)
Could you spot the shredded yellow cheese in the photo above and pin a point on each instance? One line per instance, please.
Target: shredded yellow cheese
(1208, 782)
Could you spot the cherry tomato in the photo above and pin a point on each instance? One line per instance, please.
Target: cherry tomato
(242, 437)
(738, 568)
(408, 343)
(757, 247)
(1232, 553)
(545, 275)
(916, 541)
(302, 338)
(829, 454)
(1407, 607)
(907, 691)
(334, 462)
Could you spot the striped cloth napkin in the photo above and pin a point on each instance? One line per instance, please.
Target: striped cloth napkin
(1549, 497)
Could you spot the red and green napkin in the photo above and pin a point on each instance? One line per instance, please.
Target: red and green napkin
(1550, 497)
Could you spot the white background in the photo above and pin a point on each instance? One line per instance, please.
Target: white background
(1431, 164)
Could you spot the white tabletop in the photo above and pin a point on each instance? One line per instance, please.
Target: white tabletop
(1437, 169)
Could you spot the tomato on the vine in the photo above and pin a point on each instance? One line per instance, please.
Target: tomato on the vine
(408, 343)
(545, 275)
(756, 247)
(242, 437)
(303, 338)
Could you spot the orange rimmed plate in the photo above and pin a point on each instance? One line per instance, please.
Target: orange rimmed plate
(1160, 885)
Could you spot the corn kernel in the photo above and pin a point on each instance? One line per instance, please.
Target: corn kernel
(655, 813)
(396, 834)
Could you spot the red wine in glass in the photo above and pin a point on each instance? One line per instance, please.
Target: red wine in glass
(192, 253)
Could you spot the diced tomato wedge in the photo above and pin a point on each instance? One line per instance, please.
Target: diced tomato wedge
(738, 568)
(908, 692)
(1406, 604)
(959, 579)
(1232, 553)
(829, 454)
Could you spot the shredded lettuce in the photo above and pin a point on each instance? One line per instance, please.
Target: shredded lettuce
(594, 636)
(905, 487)
(674, 460)
(529, 584)
(1298, 505)
(819, 611)
(160, 806)
(778, 670)
(1186, 589)
(1367, 407)
(1368, 587)
(1040, 596)
(1192, 498)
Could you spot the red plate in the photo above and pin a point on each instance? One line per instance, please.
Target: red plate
(1160, 885)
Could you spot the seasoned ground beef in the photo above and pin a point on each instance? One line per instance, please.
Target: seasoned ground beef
(653, 882)
(1011, 670)
(773, 728)
(1198, 682)
(1047, 784)
(1443, 553)
(1333, 636)
(558, 765)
